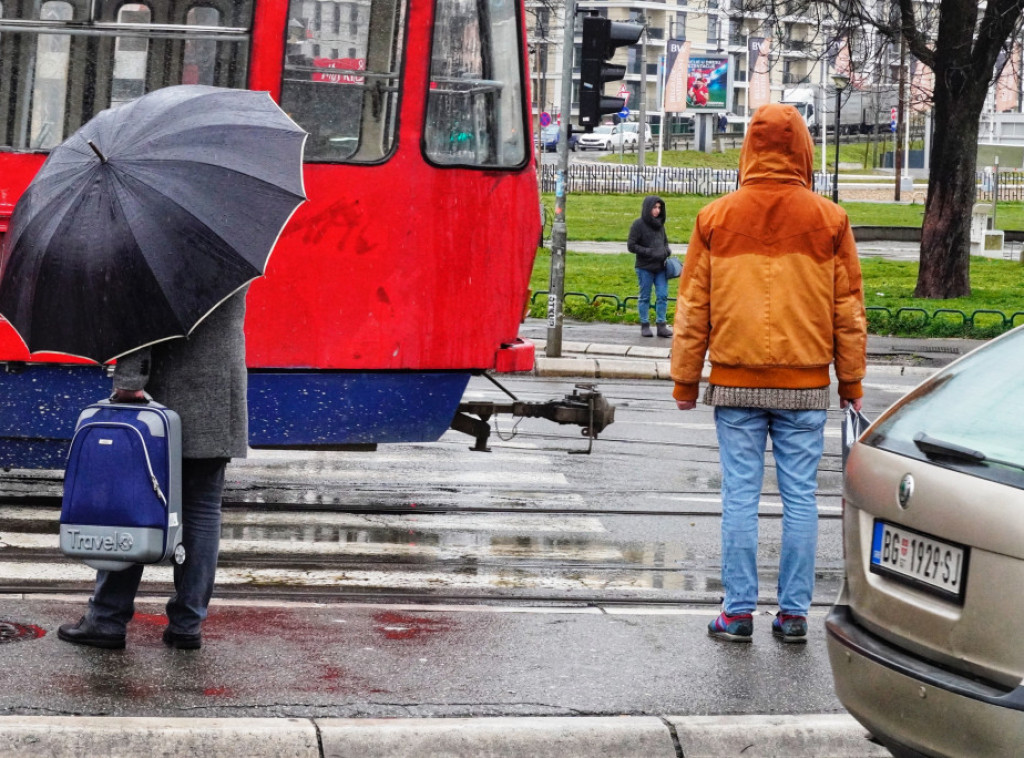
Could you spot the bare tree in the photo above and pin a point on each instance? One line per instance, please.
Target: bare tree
(961, 42)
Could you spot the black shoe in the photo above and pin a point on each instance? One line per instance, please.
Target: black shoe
(81, 634)
(182, 641)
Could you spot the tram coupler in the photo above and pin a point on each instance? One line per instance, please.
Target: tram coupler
(585, 407)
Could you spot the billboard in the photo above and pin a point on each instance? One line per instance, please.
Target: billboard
(709, 83)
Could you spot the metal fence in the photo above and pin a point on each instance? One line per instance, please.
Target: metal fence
(1011, 186)
(610, 178)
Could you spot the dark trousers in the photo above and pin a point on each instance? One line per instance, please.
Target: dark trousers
(113, 602)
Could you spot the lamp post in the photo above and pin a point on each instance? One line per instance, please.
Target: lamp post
(840, 83)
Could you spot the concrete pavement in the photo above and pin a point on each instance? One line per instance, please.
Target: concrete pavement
(596, 350)
(275, 680)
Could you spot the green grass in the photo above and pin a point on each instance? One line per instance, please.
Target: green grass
(606, 218)
(996, 285)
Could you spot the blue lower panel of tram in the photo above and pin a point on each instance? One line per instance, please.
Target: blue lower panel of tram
(39, 405)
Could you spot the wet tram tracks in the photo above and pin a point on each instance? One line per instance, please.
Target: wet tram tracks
(637, 523)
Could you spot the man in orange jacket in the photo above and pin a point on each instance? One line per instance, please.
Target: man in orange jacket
(771, 292)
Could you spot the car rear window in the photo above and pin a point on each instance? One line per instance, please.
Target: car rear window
(968, 417)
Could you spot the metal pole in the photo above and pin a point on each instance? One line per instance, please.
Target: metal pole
(900, 126)
(835, 169)
(819, 104)
(556, 285)
(641, 129)
(661, 108)
(995, 192)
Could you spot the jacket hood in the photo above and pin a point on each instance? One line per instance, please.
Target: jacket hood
(645, 213)
(778, 148)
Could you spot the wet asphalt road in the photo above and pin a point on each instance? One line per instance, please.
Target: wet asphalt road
(432, 580)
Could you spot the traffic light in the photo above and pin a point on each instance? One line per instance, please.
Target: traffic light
(601, 37)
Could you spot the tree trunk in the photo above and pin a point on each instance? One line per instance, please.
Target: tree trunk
(961, 84)
(946, 230)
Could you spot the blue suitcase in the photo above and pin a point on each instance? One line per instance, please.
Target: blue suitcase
(122, 487)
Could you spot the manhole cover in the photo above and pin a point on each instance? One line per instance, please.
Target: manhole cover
(11, 631)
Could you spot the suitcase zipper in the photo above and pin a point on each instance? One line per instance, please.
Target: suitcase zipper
(145, 451)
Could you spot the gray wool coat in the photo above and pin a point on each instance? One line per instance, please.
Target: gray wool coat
(201, 377)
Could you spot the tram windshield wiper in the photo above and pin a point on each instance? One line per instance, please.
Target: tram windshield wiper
(934, 447)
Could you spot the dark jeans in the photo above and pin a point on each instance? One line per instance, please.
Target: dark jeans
(113, 602)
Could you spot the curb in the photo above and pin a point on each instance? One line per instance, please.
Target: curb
(813, 735)
(600, 361)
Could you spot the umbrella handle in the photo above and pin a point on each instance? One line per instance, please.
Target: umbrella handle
(102, 157)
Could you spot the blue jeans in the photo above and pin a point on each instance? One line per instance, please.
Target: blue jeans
(798, 440)
(113, 602)
(660, 281)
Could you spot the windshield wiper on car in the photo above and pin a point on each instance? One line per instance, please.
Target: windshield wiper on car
(933, 446)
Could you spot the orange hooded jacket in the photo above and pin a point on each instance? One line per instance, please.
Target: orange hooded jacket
(771, 289)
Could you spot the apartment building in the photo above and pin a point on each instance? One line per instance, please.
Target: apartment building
(712, 27)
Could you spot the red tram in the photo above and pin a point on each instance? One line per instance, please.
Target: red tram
(408, 268)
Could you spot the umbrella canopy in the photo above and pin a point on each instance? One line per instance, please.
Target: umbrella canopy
(147, 218)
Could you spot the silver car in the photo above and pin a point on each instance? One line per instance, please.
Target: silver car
(926, 640)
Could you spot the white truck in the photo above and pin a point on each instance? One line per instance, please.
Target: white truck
(863, 111)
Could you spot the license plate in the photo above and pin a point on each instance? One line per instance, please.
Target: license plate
(918, 559)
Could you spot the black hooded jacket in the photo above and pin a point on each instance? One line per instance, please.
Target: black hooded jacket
(647, 238)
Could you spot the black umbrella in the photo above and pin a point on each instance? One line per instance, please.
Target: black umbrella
(147, 218)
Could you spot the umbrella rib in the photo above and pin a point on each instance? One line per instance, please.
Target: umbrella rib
(221, 166)
(131, 229)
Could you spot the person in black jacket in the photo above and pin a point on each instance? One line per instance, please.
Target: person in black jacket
(648, 241)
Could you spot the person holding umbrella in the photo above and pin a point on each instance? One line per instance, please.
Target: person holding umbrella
(137, 241)
(204, 379)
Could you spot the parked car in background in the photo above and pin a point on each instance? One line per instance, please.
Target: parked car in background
(599, 139)
(549, 136)
(608, 137)
(924, 639)
(628, 135)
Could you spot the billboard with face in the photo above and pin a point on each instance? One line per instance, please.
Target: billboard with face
(709, 83)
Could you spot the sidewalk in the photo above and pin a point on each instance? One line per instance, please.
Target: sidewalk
(290, 680)
(599, 350)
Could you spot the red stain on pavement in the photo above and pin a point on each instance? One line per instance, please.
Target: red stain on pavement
(402, 626)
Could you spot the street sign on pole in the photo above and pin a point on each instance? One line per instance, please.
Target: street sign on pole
(545, 119)
(624, 112)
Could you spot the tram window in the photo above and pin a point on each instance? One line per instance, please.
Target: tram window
(63, 61)
(201, 54)
(49, 83)
(475, 114)
(129, 80)
(348, 105)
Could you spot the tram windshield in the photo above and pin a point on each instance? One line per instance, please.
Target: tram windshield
(475, 111)
(63, 61)
(340, 81)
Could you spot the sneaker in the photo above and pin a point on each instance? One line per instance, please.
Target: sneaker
(645, 330)
(738, 628)
(790, 628)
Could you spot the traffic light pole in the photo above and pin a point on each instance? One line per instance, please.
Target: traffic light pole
(556, 283)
